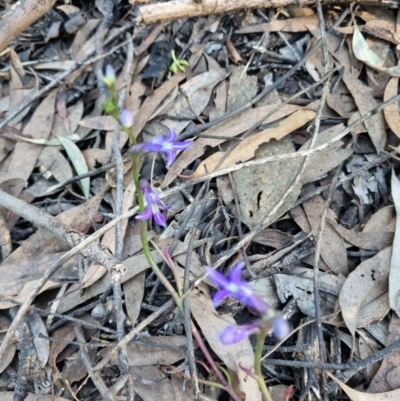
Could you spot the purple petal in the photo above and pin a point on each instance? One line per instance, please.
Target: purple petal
(235, 334)
(145, 186)
(146, 215)
(170, 157)
(152, 147)
(178, 146)
(126, 119)
(219, 296)
(236, 272)
(219, 279)
(256, 303)
(171, 137)
(280, 328)
(137, 148)
(159, 219)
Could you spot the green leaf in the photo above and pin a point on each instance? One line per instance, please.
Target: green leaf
(78, 161)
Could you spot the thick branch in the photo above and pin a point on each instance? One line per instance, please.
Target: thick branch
(183, 9)
(41, 219)
(23, 14)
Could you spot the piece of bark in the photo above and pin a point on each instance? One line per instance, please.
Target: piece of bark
(183, 9)
(23, 14)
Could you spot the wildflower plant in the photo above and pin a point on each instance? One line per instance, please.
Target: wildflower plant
(234, 286)
(151, 207)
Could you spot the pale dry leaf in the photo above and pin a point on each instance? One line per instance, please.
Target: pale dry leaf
(388, 375)
(242, 88)
(333, 250)
(233, 127)
(135, 265)
(134, 292)
(364, 53)
(148, 391)
(155, 350)
(151, 103)
(42, 344)
(375, 241)
(384, 220)
(25, 155)
(199, 88)
(101, 123)
(371, 275)
(301, 289)
(56, 163)
(377, 80)
(355, 395)
(234, 356)
(247, 148)
(78, 161)
(259, 189)
(391, 112)
(394, 276)
(321, 162)
(366, 102)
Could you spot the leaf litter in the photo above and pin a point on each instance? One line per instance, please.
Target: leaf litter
(57, 154)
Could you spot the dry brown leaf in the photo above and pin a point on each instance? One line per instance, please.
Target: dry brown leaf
(391, 112)
(247, 148)
(388, 375)
(233, 127)
(135, 265)
(366, 102)
(162, 391)
(134, 292)
(154, 351)
(101, 123)
(259, 189)
(25, 155)
(355, 395)
(333, 251)
(234, 356)
(372, 276)
(321, 162)
(375, 241)
(151, 103)
(384, 220)
(242, 88)
(56, 163)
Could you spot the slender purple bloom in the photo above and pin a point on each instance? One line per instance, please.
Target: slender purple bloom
(109, 78)
(168, 145)
(280, 328)
(235, 334)
(233, 286)
(126, 119)
(154, 205)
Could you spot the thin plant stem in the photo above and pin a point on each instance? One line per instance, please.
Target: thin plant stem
(257, 365)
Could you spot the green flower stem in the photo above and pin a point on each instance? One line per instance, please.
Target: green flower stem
(211, 384)
(257, 365)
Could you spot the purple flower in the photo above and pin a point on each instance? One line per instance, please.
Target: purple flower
(154, 205)
(280, 328)
(109, 78)
(168, 145)
(235, 334)
(126, 119)
(233, 286)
